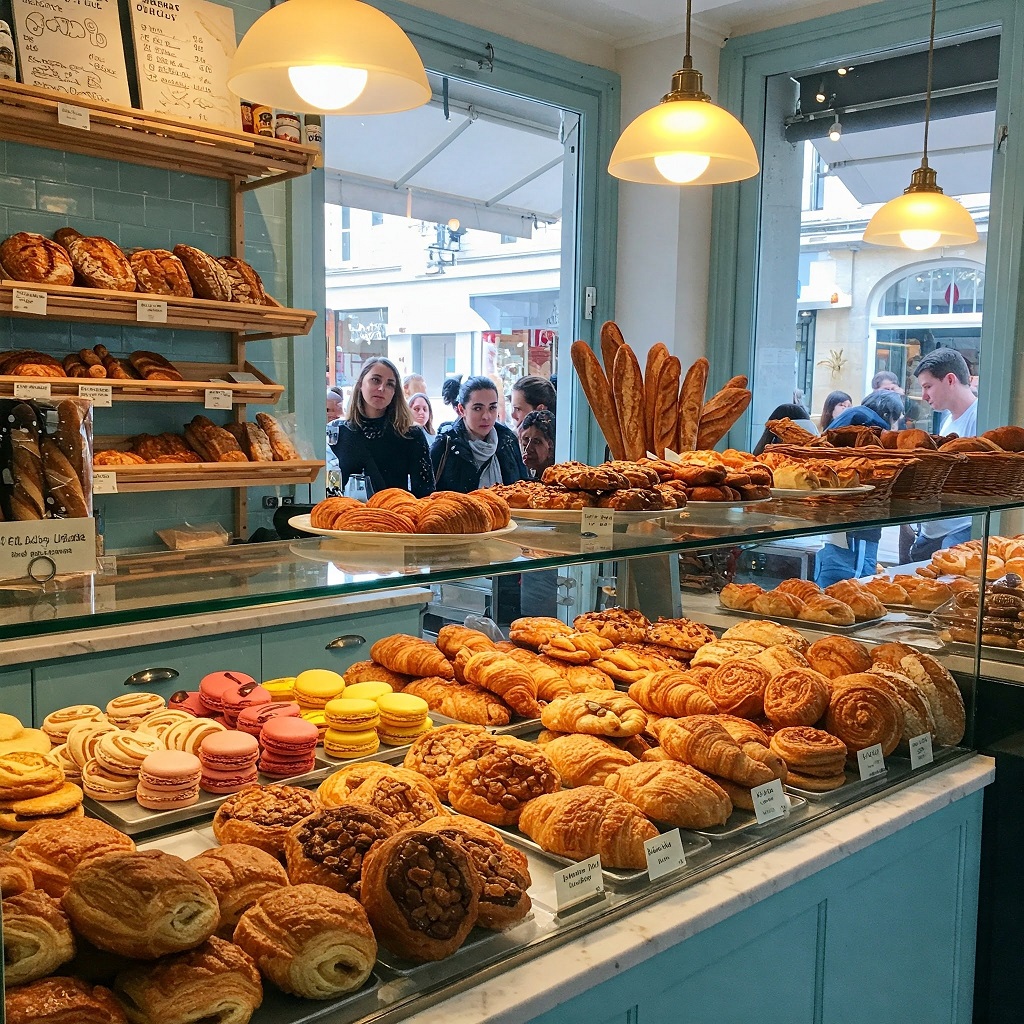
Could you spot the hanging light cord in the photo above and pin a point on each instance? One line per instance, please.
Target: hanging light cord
(687, 59)
(928, 89)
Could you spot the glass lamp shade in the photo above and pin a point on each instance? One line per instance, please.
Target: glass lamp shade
(684, 141)
(311, 55)
(922, 218)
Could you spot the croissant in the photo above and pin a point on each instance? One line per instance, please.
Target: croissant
(673, 793)
(451, 639)
(753, 742)
(579, 823)
(586, 760)
(706, 744)
(551, 683)
(671, 693)
(466, 703)
(597, 712)
(580, 677)
(411, 656)
(37, 937)
(497, 672)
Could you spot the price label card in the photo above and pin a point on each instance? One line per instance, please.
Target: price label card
(33, 390)
(45, 547)
(871, 762)
(770, 801)
(73, 117)
(921, 750)
(98, 394)
(151, 311)
(218, 398)
(104, 483)
(597, 521)
(27, 300)
(664, 854)
(578, 882)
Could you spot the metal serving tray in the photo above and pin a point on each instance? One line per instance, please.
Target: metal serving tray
(801, 623)
(744, 821)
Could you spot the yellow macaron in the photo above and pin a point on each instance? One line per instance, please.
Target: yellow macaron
(280, 689)
(347, 714)
(396, 736)
(402, 709)
(367, 691)
(318, 719)
(351, 744)
(316, 686)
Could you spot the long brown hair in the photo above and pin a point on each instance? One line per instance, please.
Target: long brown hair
(397, 413)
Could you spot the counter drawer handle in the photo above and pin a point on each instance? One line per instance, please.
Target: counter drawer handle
(348, 640)
(146, 676)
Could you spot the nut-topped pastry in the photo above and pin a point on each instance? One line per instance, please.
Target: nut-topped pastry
(421, 894)
(434, 754)
(681, 634)
(620, 625)
(596, 713)
(262, 815)
(407, 800)
(579, 477)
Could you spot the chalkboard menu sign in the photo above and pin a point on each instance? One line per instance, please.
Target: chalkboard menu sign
(73, 47)
(183, 49)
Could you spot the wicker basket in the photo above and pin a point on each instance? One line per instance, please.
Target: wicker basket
(987, 474)
(924, 478)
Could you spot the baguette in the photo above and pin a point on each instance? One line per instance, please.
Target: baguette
(736, 382)
(599, 395)
(280, 444)
(72, 440)
(719, 414)
(691, 404)
(611, 341)
(628, 388)
(62, 483)
(666, 410)
(27, 469)
(652, 375)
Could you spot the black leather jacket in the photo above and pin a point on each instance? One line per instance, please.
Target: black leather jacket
(452, 457)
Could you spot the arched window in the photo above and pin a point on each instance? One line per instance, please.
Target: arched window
(941, 290)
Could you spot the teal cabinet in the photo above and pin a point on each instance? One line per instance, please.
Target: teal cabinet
(16, 693)
(96, 678)
(290, 649)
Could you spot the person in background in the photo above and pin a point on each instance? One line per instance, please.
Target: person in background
(886, 380)
(881, 409)
(423, 413)
(335, 417)
(414, 384)
(537, 441)
(476, 450)
(530, 394)
(450, 395)
(797, 413)
(335, 405)
(835, 403)
(945, 381)
(380, 438)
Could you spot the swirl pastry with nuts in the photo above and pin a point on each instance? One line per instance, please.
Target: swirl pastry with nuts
(620, 625)
(262, 815)
(579, 477)
(434, 753)
(407, 801)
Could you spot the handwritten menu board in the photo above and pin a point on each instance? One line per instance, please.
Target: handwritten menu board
(73, 47)
(183, 49)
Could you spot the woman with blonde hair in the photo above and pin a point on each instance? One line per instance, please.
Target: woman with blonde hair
(379, 437)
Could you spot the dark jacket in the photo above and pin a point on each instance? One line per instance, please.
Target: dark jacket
(858, 416)
(452, 457)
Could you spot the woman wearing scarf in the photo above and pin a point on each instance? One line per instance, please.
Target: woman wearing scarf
(476, 450)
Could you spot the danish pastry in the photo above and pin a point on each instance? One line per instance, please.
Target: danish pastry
(766, 633)
(406, 800)
(810, 752)
(579, 477)
(834, 656)
(576, 648)
(738, 687)
(775, 602)
(596, 713)
(620, 625)
(681, 634)
(829, 610)
(779, 658)
(262, 815)
(535, 631)
(864, 604)
(740, 596)
(796, 696)
(862, 714)
(434, 753)
(720, 651)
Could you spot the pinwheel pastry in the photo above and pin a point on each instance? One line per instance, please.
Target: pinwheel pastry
(595, 712)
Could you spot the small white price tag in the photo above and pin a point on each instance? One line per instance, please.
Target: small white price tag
(871, 762)
(770, 801)
(597, 521)
(33, 390)
(104, 483)
(218, 398)
(921, 750)
(664, 854)
(151, 311)
(73, 117)
(98, 394)
(27, 300)
(578, 882)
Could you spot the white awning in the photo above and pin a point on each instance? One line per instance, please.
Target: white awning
(434, 319)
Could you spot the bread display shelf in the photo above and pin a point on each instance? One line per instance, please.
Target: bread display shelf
(30, 116)
(199, 377)
(100, 306)
(197, 476)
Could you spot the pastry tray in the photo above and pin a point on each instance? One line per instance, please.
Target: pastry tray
(802, 623)
(1009, 655)
(693, 846)
(744, 821)
(897, 768)
(280, 1008)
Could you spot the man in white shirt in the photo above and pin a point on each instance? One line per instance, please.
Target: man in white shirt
(946, 385)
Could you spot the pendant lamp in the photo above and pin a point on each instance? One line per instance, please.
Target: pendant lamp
(923, 217)
(328, 56)
(685, 139)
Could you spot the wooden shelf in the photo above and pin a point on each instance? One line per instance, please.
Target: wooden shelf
(195, 476)
(198, 377)
(100, 306)
(29, 116)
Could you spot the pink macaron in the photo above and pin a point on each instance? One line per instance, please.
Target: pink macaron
(229, 761)
(252, 719)
(213, 687)
(169, 779)
(238, 698)
(185, 700)
(289, 747)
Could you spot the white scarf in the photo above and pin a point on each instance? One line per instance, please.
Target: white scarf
(485, 454)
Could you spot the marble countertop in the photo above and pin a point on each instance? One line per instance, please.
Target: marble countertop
(186, 627)
(524, 992)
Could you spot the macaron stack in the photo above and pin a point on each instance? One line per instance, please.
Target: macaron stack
(403, 718)
(128, 710)
(289, 747)
(351, 726)
(112, 773)
(228, 761)
(367, 691)
(58, 723)
(33, 789)
(241, 696)
(252, 719)
(314, 689)
(169, 779)
(214, 687)
(189, 735)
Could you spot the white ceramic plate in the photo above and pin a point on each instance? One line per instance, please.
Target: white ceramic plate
(821, 492)
(407, 539)
(575, 515)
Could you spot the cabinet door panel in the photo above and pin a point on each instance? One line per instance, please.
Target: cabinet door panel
(96, 678)
(290, 649)
(16, 693)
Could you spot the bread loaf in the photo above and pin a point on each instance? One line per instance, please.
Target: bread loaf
(62, 483)
(599, 396)
(160, 272)
(691, 402)
(209, 279)
(281, 445)
(246, 286)
(30, 257)
(99, 263)
(72, 440)
(628, 388)
(719, 414)
(26, 499)
(656, 359)
(666, 411)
